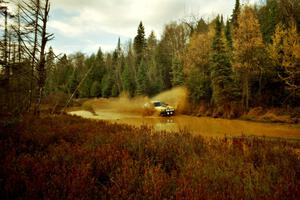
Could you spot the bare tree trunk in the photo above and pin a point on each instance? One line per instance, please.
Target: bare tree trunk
(19, 34)
(33, 60)
(6, 64)
(42, 60)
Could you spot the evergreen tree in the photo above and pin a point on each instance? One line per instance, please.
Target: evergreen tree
(177, 73)
(117, 68)
(50, 67)
(142, 80)
(62, 73)
(153, 73)
(73, 83)
(99, 68)
(128, 81)
(95, 67)
(140, 44)
(228, 34)
(268, 18)
(91, 69)
(199, 87)
(202, 27)
(96, 89)
(119, 49)
(235, 14)
(164, 64)
(221, 72)
(107, 85)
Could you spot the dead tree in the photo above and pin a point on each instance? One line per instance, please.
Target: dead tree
(4, 60)
(41, 68)
(34, 38)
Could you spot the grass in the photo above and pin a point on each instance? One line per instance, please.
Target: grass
(72, 158)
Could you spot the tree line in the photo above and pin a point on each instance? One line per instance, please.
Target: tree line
(251, 59)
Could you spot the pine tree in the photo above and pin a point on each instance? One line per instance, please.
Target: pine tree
(268, 18)
(61, 75)
(142, 80)
(117, 66)
(128, 81)
(177, 73)
(154, 76)
(73, 83)
(96, 89)
(140, 44)
(107, 85)
(220, 70)
(199, 87)
(202, 27)
(50, 66)
(235, 14)
(228, 34)
(119, 49)
(164, 63)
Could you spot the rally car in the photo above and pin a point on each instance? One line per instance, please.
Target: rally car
(163, 108)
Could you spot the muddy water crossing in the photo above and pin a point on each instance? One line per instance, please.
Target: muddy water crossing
(197, 125)
(130, 111)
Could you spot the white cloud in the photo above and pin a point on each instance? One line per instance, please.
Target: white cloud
(65, 28)
(121, 17)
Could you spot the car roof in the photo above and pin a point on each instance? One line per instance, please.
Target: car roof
(155, 101)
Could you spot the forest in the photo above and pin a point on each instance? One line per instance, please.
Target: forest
(229, 65)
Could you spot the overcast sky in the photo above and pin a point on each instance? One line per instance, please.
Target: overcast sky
(86, 25)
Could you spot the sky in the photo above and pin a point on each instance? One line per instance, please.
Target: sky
(86, 25)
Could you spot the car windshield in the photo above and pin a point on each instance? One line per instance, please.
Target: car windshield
(158, 104)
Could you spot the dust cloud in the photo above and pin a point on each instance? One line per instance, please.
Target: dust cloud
(176, 97)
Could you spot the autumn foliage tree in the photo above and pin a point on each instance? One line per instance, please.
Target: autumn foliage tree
(248, 44)
(285, 52)
(196, 65)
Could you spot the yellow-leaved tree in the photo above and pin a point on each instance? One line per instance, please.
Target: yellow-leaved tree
(284, 51)
(196, 65)
(248, 48)
(198, 53)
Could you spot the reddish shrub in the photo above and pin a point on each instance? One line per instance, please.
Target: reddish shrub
(71, 158)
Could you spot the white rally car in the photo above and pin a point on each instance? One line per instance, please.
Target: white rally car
(163, 108)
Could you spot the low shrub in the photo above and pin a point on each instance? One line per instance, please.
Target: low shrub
(66, 157)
